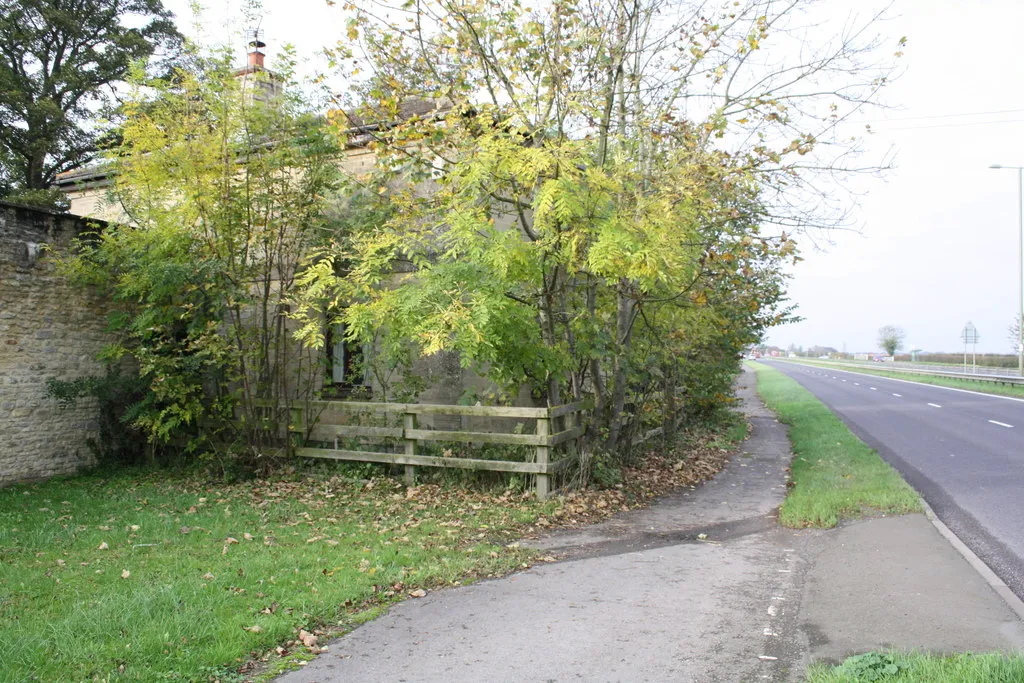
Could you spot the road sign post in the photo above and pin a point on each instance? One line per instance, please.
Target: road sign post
(970, 336)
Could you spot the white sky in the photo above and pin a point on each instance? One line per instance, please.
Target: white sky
(938, 240)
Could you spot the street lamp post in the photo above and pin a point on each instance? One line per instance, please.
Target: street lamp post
(1020, 284)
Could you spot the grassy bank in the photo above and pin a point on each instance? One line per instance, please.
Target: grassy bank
(900, 667)
(1014, 390)
(160, 577)
(834, 474)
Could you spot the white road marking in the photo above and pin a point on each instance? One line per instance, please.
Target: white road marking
(1001, 424)
(874, 389)
(856, 384)
(844, 380)
(898, 395)
(767, 658)
(934, 405)
(939, 386)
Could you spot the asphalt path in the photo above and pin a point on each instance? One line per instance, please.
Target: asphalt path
(962, 450)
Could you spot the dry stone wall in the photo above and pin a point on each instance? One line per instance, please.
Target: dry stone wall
(47, 329)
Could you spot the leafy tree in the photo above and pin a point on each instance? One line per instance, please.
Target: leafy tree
(226, 194)
(890, 338)
(589, 195)
(59, 62)
(1013, 333)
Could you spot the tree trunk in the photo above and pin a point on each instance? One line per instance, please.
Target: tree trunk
(623, 320)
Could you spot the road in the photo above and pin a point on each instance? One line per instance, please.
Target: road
(963, 451)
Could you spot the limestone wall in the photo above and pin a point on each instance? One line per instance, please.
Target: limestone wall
(47, 329)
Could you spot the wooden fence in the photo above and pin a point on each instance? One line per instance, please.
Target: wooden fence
(555, 441)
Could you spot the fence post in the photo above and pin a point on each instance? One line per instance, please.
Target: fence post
(543, 478)
(408, 424)
(296, 424)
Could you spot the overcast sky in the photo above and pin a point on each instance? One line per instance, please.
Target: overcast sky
(937, 240)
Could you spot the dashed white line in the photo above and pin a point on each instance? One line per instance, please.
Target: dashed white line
(1001, 424)
(856, 384)
(934, 405)
(874, 388)
(898, 395)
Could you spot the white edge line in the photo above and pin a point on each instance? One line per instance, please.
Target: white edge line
(934, 405)
(1001, 424)
(925, 384)
(897, 395)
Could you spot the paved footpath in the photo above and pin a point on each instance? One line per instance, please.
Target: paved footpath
(702, 586)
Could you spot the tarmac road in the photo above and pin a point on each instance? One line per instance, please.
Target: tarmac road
(963, 451)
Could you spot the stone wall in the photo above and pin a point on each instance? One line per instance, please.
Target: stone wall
(47, 329)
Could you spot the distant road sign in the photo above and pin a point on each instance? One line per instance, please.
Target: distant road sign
(970, 334)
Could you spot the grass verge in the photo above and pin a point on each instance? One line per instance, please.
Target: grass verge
(981, 387)
(913, 667)
(834, 474)
(164, 576)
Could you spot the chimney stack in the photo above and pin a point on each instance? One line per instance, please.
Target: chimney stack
(255, 57)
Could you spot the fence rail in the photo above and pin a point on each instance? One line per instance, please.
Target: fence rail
(558, 426)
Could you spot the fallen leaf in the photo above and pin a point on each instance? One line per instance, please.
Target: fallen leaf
(308, 639)
(103, 546)
(125, 573)
(418, 593)
(255, 628)
(231, 540)
(208, 576)
(247, 536)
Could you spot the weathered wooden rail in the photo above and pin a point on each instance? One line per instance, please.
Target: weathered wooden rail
(557, 426)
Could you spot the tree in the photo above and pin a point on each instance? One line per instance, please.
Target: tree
(59, 62)
(890, 338)
(601, 174)
(1013, 333)
(226, 196)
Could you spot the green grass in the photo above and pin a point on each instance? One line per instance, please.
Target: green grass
(913, 667)
(982, 387)
(168, 577)
(834, 474)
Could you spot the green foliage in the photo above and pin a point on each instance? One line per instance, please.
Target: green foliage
(58, 59)
(561, 218)
(872, 666)
(920, 667)
(226, 185)
(890, 339)
(51, 199)
(117, 394)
